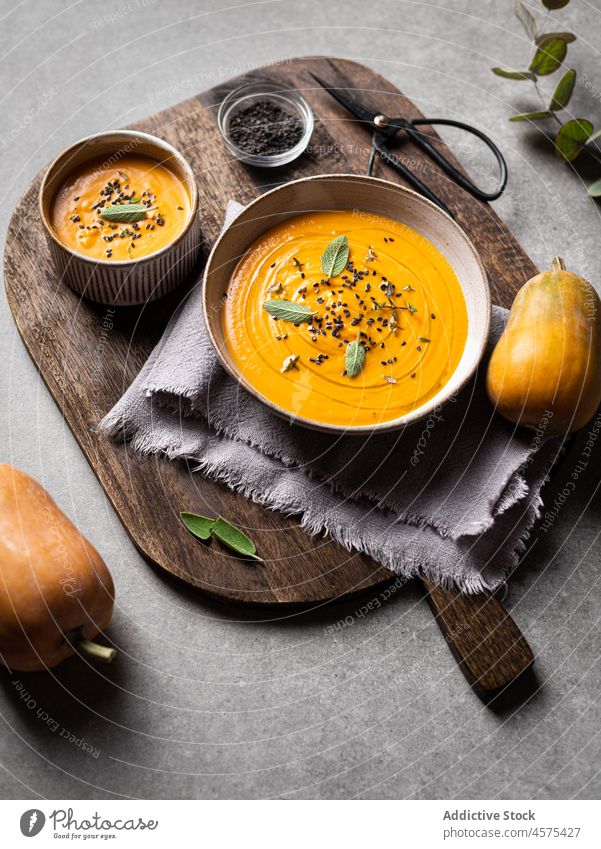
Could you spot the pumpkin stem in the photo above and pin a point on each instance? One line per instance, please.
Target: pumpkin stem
(95, 650)
(558, 264)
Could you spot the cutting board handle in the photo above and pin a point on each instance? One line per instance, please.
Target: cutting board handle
(492, 652)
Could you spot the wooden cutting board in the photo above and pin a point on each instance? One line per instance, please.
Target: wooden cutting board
(88, 354)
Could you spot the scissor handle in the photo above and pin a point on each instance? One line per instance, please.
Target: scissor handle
(422, 141)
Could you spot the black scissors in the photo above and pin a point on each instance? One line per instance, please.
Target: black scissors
(384, 129)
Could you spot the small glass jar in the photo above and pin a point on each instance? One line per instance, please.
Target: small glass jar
(289, 100)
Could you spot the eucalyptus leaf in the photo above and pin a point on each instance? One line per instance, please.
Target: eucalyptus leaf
(594, 190)
(545, 37)
(233, 538)
(335, 256)
(531, 116)
(555, 4)
(571, 138)
(288, 310)
(124, 213)
(508, 74)
(548, 59)
(563, 92)
(526, 18)
(200, 526)
(354, 359)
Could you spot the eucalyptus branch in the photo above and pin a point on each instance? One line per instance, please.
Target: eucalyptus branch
(548, 52)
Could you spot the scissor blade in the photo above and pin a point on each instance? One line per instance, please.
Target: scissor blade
(349, 104)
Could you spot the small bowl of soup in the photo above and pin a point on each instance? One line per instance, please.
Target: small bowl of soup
(120, 211)
(347, 304)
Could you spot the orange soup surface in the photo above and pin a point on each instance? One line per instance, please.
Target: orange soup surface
(396, 297)
(81, 203)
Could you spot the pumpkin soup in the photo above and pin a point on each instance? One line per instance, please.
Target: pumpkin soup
(345, 317)
(120, 212)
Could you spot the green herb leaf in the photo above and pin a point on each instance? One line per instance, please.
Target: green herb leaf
(290, 363)
(354, 359)
(335, 256)
(126, 213)
(531, 116)
(288, 311)
(513, 75)
(594, 190)
(570, 139)
(545, 37)
(563, 91)
(411, 308)
(136, 200)
(200, 526)
(555, 4)
(423, 339)
(548, 59)
(389, 379)
(526, 18)
(234, 539)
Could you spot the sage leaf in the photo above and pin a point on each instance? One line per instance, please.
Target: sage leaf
(288, 310)
(354, 359)
(233, 538)
(200, 526)
(526, 18)
(563, 91)
(531, 116)
(552, 5)
(545, 37)
(570, 139)
(513, 75)
(548, 59)
(594, 190)
(335, 256)
(125, 213)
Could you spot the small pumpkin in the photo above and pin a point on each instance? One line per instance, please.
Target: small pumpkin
(55, 591)
(546, 367)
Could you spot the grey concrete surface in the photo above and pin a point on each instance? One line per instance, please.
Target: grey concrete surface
(210, 702)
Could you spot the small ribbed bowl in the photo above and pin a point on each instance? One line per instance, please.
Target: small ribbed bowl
(135, 281)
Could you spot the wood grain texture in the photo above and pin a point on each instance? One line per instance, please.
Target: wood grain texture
(490, 648)
(89, 354)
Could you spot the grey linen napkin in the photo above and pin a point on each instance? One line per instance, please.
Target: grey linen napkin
(453, 497)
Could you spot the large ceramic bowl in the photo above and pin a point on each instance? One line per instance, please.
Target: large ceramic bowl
(344, 191)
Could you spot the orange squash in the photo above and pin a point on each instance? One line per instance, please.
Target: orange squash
(545, 370)
(55, 590)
